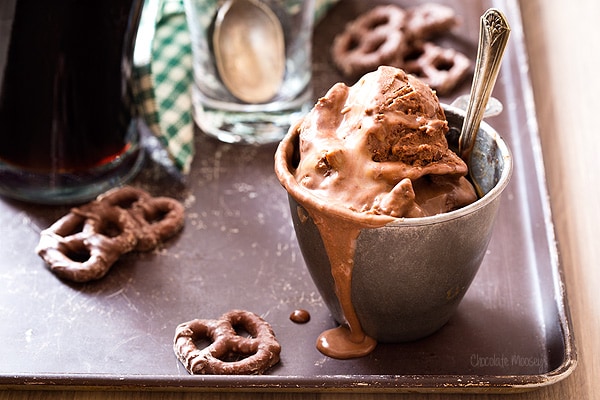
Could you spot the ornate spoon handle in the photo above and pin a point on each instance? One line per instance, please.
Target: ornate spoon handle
(493, 37)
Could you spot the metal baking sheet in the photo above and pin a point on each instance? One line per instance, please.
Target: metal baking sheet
(512, 332)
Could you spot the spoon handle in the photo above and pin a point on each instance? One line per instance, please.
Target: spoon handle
(493, 37)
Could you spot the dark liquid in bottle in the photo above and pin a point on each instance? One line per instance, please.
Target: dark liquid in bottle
(65, 100)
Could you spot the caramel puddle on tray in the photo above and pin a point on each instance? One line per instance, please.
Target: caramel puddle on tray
(339, 238)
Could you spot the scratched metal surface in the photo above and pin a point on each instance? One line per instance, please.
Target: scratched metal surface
(238, 250)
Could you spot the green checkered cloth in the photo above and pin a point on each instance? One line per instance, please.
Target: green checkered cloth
(163, 76)
(163, 84)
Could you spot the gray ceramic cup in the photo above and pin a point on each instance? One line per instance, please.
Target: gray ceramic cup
(410, 275)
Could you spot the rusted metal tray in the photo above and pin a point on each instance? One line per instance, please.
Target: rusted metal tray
(238, 250)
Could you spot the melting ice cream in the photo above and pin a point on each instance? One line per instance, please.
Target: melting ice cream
(364, 156)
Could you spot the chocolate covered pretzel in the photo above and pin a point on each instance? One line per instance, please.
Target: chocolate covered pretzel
(156, 218)
(429, 20)
(440, 68)
(84, 244)
(229, 353)
(390, 35)
(373, 39)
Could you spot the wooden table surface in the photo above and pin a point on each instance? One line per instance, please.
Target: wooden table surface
(562, 40)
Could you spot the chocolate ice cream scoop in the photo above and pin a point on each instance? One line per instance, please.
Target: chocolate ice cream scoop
(380, 147)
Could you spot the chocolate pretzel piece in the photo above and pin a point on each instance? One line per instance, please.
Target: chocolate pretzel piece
(390, 35)
(156, 218)
(84, 244)
(428, 20)
(373, 39)
(440, 68)
(229, 353)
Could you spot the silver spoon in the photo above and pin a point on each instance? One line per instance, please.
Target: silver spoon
(249, 50)
(494, 106)
(493, 37)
